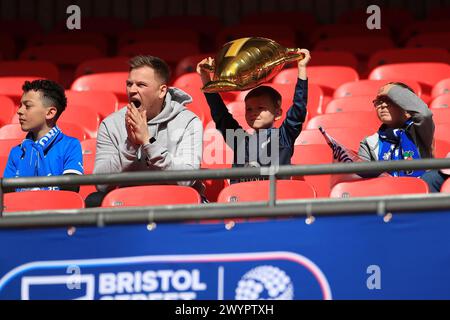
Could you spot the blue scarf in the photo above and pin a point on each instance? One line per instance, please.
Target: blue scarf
(34, 152)
(396, 144)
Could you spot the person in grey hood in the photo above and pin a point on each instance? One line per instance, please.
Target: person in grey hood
(153, 132)
(406, 132)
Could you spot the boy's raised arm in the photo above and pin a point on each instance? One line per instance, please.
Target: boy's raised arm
(292, 125)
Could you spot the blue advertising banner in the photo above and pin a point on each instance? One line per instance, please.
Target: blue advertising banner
(339, 257)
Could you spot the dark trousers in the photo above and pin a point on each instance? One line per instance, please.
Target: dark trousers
(434, 179)
(95, 199)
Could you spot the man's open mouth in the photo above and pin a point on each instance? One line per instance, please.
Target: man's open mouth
(136, 103)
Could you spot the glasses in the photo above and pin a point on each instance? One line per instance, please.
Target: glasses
(380, 100)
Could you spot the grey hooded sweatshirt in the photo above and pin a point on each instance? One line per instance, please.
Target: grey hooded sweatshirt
(178, 145)
(421, 132)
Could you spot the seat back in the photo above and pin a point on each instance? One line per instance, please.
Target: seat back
(259, 191)
(380, 186)
(154, 195)
(42, 200)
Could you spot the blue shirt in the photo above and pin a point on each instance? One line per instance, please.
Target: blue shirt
(61, 155)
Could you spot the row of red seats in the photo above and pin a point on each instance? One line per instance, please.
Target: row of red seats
(355, 97)
(240, 192)
(310, 148)
(400, 22)
(71, 49)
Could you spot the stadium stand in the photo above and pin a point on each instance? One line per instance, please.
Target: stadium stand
(14, 131)
(314, 154)
(102, 65)
(370, 87)
(41, 69)
(8, 109)
(110, 81)
(442, 87)
(442, 101)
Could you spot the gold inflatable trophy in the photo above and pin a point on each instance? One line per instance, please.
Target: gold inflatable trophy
(246, 63)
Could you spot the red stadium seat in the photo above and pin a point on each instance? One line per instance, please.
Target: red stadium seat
(48, 200)
(12, 87)
(154, 195)
(345, 120)
(337, 30)
(441, 115)
(189, 63)
(445, 188)
(86, 190)
(21, 28)
(191, 79)
(8, 109)
(333, 58)
(89, 146)
(442, 101)
(425, 26)
(108, 26)
(380, 186)
(102, 102)
(259, 191)
(198, 105)
(441, 148)
(171, 52)
(438, 13)
(88, 163)
(371, 87)
(158, 35)
(7, 45)
(21, 68)
(350, 138)
(87, 119)
(427, 74)
(296, 20)
(193, 22)
(392, 18)
(442, 87)
(284, 35)
(62, 54)
(390, 56)
(329, 78)
(111, 81)
(102, 65)
(7, 144)
(14, 131)
(442, 131)
(431, 40)
(78, 37)
(192, 84)
(216, 153)
(66, 56)
(314, 154)
(358, 45)
(350, 104)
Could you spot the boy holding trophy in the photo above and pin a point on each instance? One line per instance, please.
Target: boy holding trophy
(267, 146)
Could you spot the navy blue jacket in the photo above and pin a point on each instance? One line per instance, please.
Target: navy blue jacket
(286, 134)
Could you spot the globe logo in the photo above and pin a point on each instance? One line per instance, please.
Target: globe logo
(265, 283)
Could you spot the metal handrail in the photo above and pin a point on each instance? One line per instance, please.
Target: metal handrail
(267, 208)
(177, 213)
